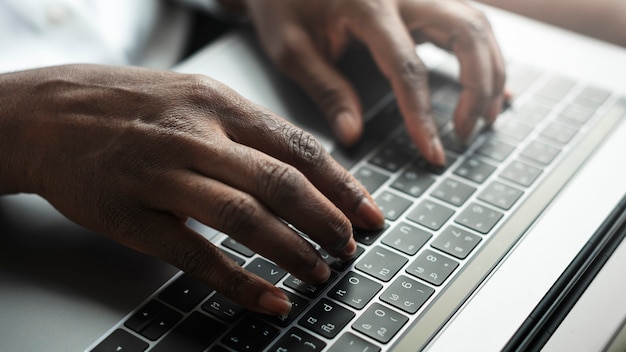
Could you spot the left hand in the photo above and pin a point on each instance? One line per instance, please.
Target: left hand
(305, 37)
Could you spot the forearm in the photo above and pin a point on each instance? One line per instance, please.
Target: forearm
(602, 19)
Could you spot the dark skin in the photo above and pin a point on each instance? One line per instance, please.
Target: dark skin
(304, 38)
(133, 153)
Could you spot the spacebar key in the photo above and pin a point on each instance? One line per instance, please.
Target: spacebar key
(194, 334)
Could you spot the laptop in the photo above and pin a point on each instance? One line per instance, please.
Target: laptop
(515, 245)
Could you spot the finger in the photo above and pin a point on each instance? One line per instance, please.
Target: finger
(499, 95)
(393, 49)
(165, 237)
(299, 59)
(286, 193)
(246, 220)
(264, 131)
(456, 26)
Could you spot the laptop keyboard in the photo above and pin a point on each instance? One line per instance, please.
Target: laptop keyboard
(437, 221)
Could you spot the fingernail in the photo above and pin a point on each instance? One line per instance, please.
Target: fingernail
(321, 272)
(348, 250)
(370, 213)
(274, 303)
(346, 128)
(437, 155)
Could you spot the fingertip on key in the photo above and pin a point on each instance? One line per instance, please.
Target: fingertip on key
(370, 213)
(274, 303)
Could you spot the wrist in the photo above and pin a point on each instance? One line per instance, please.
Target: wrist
(13, 173)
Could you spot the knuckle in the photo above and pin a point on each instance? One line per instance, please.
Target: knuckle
(278, 180)
(413, 73)
(306, 151)
(205, 94)
(474, 29)
(236, 214)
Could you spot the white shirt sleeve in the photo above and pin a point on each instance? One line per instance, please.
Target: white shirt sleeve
(36, 33)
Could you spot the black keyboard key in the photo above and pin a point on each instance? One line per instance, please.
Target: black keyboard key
(432, 267)
(512, 128)
(252, 334)
(404, 142)
(351, 343)
(298, 305)
(380, 323)
(558, 132)
(153, 320)
(521, 173)
(298, 340)
(309, 290)
(592, 97)
(391, 205)
(423, 164)
(370, 179)
(194, 334)
(120, 340)
(367, 236)
(407, 294)
(235, 258)
(185, 293)
(341, 264)
(413, 181)
(144, 316)
(495, 149)
(453, 192)
(430, 214)
(391, 157)
(406, 238)
(456, 242)
(237, 247)
(355, 290)
(474, 170)
(223, 308)
(266, 270)
(445, 98)
(381, 263)
(479, 218)
(540, 153)
(532, 110)
(162, 324)
(500, 195)
(326, 318)
(576, 115)
(451, 141)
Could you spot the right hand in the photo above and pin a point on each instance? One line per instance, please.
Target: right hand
(132, 153)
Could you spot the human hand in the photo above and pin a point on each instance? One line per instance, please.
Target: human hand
(305, 37)
(132, 153)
